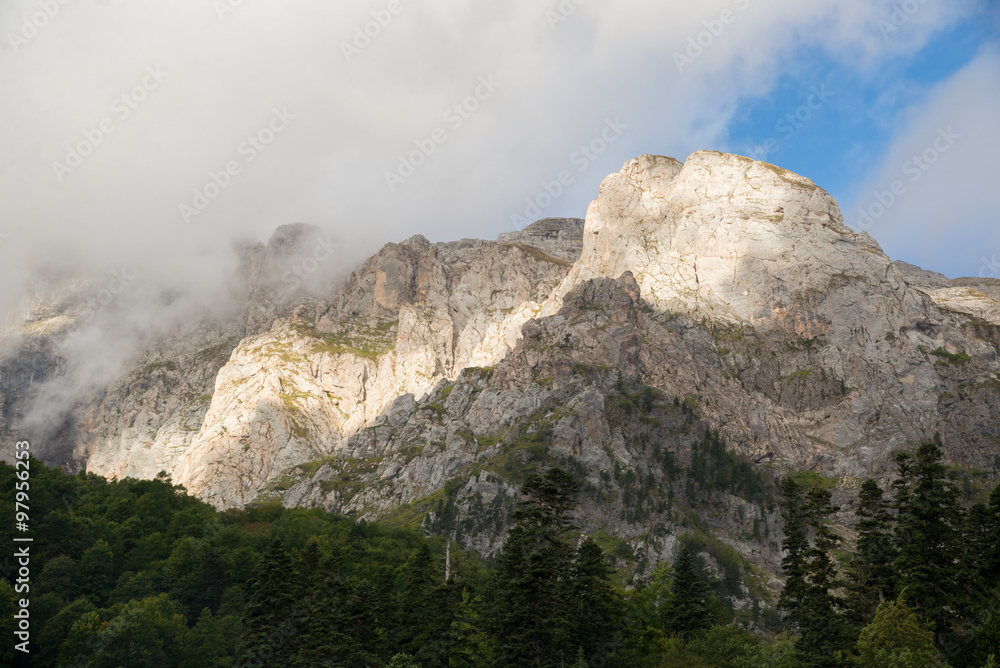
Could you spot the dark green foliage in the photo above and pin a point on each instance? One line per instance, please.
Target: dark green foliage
(268, 634)
(550, 604)
(986, 546)
(95, 572)
(824, 636)
(137, 633)
(713, 466)
(139, 573)
(794, 563)
(528, 616)
(142, 561)
(211, 642)
(933, 577)
(427, 608)
(871, 575)
(811, 577)
(58, 578)
(596, 614)
(686, 610)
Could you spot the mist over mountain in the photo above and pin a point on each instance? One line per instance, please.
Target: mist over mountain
(709, 314)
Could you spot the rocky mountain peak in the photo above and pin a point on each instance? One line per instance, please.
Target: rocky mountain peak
(718, 299)
(732, 238)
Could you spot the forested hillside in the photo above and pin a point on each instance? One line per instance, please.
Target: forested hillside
(139, 573)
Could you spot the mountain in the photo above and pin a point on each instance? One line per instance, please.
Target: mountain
(711, 324)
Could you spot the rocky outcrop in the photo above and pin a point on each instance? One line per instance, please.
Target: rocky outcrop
(412, 315)
(715, 301)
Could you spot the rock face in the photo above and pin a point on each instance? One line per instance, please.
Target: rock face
(413, 314)
(716, 303)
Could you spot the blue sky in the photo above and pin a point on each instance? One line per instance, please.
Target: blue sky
(843, 141)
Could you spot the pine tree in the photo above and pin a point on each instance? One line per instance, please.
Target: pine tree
(795, 544)
(597, 608)
(811, 576)
(529, 614)
(930, 517)
(871, 577)
(267, 629)
(989, 561)
(470, 646)
(426, 611)
(322, 633)
(687, 607)
(824, 637)
(361, 627)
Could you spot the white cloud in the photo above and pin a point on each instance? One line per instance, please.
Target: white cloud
(560, 80)
(943, 215)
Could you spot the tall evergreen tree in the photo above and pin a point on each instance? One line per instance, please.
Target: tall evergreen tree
(323, 632)
(427, 608)
(529, 616)
(989, 561)
(794, 545)
(267, 629)
(470, 646)
(871, 578)
(687, 607)
(933, 578)
(597, 609)
(824, 636)
(807, 599)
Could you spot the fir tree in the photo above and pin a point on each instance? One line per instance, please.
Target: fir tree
(989, 557)
(427, 607)
(529, 613)
(597, 610)
(871, 577)
(794, 545)
(808, 599)
(323, 634)
(470, 646)
(687, 606)
(267, 629)
(824, 637)
(930, 518)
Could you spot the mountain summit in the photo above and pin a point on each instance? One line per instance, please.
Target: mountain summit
(710, 324)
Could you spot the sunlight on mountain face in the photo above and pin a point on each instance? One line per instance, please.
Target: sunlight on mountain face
(390, 335)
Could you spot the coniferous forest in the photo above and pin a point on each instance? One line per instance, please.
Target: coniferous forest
(138, 573)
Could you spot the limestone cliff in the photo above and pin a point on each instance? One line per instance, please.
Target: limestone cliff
(719, 300)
